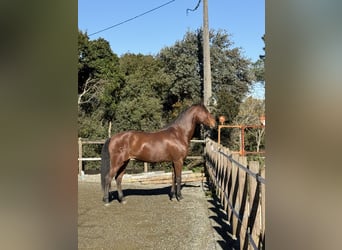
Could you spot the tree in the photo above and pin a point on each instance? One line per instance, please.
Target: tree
(97, 66)
(231, 71)
(98, 81)
(249, 114)
(259, 66)
(144, 87)
(259, 70)
(231, 74)
(181, 62)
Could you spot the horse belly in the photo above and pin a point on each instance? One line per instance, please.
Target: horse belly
(149, 151)
(153, 152)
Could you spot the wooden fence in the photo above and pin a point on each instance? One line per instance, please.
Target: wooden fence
(240, 187)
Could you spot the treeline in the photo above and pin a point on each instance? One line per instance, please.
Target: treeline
(145, 92)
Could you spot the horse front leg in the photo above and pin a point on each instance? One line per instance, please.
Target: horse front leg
(178, 173)
(173, 184)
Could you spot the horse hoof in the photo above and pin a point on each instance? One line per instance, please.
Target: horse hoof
(123, 201)
(179, 198)
(105, 200)
(172, 195)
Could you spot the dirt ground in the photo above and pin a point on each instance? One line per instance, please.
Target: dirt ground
(149, 220)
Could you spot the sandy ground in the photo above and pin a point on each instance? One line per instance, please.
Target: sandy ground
(149, 220)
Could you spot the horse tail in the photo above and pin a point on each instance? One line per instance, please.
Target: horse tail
(105, 163)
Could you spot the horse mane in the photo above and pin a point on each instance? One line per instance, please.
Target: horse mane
(180, 119)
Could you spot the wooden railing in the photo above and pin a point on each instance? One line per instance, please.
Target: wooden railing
(240, 187)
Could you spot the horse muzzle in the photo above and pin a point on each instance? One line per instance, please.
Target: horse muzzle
(212, 124)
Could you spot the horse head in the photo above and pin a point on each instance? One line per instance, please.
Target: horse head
(203, 116)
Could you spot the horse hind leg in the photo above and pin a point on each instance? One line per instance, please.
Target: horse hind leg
(118, 179)
(106, 169)
(108, 180)
(107, 185)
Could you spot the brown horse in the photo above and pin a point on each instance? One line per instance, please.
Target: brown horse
(169, 144)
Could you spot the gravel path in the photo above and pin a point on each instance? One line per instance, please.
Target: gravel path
(149, 220)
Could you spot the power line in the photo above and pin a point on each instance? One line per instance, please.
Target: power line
(130, 19)
(194, 9)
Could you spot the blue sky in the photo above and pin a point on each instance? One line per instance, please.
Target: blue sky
(148, 34)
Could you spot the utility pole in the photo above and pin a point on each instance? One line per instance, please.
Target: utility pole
(206, 56)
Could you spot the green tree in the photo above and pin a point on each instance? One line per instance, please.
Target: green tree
(229, 68)
(259, 66)
(96, 64)
(145, 86)
(98, 81)
(259, 70)
(249, 114)
(181, 63)
(231, 73)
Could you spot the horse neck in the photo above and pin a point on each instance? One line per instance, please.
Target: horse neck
(187, 126)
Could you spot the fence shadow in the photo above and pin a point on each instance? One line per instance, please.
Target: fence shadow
(221, 222)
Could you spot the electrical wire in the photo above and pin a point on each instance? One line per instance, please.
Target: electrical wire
(196, 7)
(130, 19)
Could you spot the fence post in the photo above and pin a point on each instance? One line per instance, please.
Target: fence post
(242, 202)
(228, 168)
(220, 175)
(79, 156)
(262, 174)
(233, 195)
(254, 208)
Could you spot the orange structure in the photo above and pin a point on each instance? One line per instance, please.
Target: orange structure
(242, 134)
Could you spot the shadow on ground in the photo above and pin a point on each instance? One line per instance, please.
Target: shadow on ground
(221, 225)
(113, 195)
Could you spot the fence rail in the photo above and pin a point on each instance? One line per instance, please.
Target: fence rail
(240, 187)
